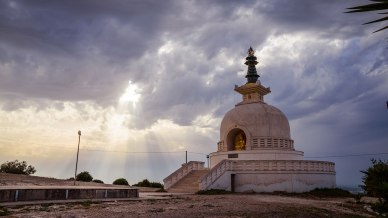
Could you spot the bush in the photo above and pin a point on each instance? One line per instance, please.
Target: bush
(120, 181)
(317, 193)
(4, 211)
(375, 181)
(98, 181)
(84, 177)
(380, 206)
(213, 192)
(329, 193)
(157, 185)
(146, 183)
(17, 167)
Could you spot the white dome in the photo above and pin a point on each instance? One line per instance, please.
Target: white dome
(259, 122)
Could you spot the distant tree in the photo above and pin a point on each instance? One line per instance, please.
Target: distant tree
(98, 181)
(84, 177)
(17, 167)
(375, 181)
(378, 5)
(146, 183)
(120, 181)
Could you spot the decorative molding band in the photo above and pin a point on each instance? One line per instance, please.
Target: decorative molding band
(263, 143)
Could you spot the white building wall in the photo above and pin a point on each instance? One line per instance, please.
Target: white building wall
(274, 181)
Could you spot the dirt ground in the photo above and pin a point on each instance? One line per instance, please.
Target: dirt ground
(228, 205)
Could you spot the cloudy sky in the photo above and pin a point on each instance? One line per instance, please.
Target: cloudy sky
(143, 77)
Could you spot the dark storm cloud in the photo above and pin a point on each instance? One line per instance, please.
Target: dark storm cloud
(322, 17)
(330, 78)
(81, 50)
(88, 50)
(74, 26)
(74, 50)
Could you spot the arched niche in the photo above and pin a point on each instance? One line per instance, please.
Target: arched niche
(236, 140)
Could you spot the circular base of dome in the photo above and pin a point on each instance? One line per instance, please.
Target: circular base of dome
(262, 154)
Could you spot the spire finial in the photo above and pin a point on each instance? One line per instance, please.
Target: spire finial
(251, 52)
(252, 75)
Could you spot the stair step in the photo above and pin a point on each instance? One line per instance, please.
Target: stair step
(189, 183)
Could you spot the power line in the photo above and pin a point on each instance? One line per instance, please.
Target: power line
(129, 152)
(117, 151)
(191, 152)
(196, 153)
(134, 152)
(348, 155)
(162, 152)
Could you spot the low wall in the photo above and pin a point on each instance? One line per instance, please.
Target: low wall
(270, 175)
(64, 193)
(275, 181)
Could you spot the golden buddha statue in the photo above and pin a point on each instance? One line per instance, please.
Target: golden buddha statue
(239, 141)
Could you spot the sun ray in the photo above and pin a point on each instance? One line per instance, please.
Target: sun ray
(131, 94)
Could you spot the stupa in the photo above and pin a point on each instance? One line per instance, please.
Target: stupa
(255, 152)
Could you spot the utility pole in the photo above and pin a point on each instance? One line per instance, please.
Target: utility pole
(208, 166)
(186, 157)
(76, 163)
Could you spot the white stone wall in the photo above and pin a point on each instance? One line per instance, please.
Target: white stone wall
(270, 175)
(275, 181)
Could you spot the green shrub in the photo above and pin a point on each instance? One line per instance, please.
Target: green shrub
(17, 167)
(157, 185)
(375, 181)
(380, 206)
(4, 211)
(120, 181)
(84, 177)
(146, 183)
(98, 181)
(86, 203)
(329, 192)
(213, 192)
(318, 192)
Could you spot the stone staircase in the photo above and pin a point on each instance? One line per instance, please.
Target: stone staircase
(189, 183)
